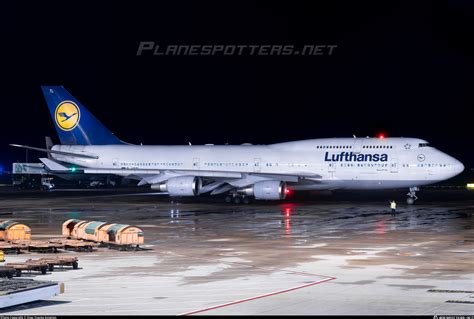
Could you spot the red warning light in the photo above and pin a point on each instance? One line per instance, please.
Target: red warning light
(381, 136)
(288, 191)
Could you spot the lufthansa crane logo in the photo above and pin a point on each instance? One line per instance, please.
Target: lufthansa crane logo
(67, 115)
(421, 157)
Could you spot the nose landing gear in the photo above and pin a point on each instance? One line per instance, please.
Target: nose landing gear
(412, 195)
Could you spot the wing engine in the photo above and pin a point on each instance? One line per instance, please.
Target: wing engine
(268, 190)
(180, 186)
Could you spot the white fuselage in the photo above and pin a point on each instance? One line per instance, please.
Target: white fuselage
(335, 163)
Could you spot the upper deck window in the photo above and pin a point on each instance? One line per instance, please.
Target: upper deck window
(423, 144)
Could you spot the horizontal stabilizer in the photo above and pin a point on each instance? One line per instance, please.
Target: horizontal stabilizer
(55, 152)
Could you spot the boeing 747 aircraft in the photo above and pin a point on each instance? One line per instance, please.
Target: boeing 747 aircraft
(244, 172)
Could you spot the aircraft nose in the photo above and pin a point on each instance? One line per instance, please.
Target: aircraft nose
(458, 167)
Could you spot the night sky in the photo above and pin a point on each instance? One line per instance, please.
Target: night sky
(404, 68)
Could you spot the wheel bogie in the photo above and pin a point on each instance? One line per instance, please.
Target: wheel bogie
(238, 199)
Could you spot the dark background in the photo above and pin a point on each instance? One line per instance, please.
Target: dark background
(403, 68)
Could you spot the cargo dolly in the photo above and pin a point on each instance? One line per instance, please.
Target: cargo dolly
(74, 244)
(43, 247)
(61, 262)
(35, 245)
(9, 248)
(6, 272)
(39, 246)
(29, 265)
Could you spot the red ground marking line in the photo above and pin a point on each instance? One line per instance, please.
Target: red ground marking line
(257, 297)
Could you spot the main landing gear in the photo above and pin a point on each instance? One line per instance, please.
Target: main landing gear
(412, 195)
(238, 199)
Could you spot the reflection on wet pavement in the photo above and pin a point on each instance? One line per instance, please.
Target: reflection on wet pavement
(425, 240)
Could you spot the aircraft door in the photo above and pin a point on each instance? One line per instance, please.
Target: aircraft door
(394, 165)
(256, 164)
(196, 163)
(356, 148)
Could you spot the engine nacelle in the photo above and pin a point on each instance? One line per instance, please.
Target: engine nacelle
(269, 190)
(180, 186)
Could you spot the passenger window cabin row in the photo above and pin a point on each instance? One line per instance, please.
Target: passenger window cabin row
(350, 146)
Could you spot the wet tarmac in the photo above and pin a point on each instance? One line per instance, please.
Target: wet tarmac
(310, 257)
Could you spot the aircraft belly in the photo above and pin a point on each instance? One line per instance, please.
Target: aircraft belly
(368, 184)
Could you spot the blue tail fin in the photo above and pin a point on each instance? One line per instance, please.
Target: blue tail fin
(74, 123)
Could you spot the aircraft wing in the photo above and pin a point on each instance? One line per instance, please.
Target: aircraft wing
(200, 173)
(217, 181)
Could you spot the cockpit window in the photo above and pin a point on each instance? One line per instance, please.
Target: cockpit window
(423, 144)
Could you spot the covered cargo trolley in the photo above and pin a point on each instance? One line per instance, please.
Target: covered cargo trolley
(89, 231)
(121, 235)
(11, 230)
(70, 227)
